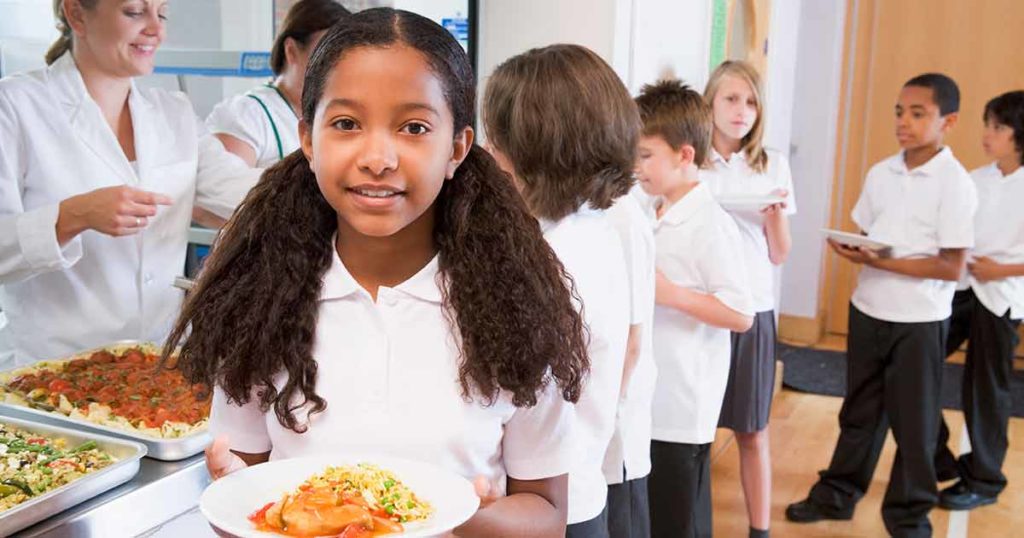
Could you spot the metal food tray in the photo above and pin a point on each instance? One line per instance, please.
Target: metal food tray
(159, 448)
(36, 509)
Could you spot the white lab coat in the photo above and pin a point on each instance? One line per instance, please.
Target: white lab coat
(55, 143)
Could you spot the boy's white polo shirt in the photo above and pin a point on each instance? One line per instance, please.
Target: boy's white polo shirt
(389, 373)
(999, 234)
(698, 247)
(918, 212)
(586, 244)
(630, 447)
(735, 177)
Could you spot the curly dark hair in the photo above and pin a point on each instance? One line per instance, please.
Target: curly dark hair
(253, 311)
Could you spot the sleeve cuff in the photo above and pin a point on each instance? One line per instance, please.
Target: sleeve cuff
(539, 467)
(742, 304)
(37, 234)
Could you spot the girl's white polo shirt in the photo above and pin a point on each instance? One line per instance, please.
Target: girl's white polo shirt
(698, 247)
(999, 234)
(389, 373)
(735, 177)
(586, 244)
(918, 212)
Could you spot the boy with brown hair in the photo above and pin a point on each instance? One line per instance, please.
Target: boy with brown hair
(564, 127)
(702, 293)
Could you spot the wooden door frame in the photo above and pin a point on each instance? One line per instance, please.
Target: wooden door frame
(849, 166)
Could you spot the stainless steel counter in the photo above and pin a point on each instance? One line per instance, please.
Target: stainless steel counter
(161, 491)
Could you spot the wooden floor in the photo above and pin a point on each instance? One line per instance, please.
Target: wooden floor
(803, 432)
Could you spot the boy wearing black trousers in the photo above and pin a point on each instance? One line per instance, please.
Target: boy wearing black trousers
(922, 203)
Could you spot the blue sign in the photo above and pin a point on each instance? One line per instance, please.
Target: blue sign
(255, 64)
(459, 28)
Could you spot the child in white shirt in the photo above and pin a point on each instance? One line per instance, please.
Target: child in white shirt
(987, 310)
(921, 202)
(385, 291)
(740, 166)
(560, 121)
(702, 294)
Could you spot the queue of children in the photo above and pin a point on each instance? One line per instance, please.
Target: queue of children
(567, 317)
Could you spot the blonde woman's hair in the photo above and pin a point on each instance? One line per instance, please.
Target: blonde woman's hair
(63, 43)
(752, 144)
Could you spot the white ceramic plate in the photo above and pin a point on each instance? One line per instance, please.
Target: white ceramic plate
(854, 240)
(749, 203)
(227, 503)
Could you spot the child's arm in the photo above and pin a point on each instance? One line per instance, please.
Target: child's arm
(633, 345)
(948, 265)
(776, 230)
(985, 269)
(530, 508)
(703, 306)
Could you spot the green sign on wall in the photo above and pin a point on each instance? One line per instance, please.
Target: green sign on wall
(719, 29)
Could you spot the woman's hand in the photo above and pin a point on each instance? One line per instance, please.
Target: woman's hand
(220, 460)
(115, 211)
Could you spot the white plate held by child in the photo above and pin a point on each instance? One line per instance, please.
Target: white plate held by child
(228, 502)
(855, 240)
(753, 203)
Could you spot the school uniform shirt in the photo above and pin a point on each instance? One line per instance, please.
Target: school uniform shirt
(918, 212)
(734, 177)
(629, 452)
(261, 118)
(585, 242)
(97, 289)
(389, 373)
(699, 247)
(999, 234)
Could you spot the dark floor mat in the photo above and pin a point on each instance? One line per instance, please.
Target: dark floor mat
(820, 371)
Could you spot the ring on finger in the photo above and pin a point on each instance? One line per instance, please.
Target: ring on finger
(138, 222)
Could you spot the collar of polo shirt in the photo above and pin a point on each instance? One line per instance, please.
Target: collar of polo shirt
(694, 202)
(739, 156)
(899, 165)
(338, 283)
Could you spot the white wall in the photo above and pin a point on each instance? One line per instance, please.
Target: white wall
(641, 39)
(246, 25)
(814, 130)
(27, 28)
(669, 38)
(509, 28)
(780, 84)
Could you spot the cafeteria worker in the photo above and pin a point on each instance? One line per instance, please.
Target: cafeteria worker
(262, 125)
(98, 178)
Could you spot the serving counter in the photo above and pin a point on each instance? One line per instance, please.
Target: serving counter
(161, 491)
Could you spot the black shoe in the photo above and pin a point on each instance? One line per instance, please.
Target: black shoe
(808, 511)
(960, 497)
(945, 474)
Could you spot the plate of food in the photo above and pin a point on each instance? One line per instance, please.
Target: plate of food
(855, 240)
(347, 497)
(741, 202)
(119, 390)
